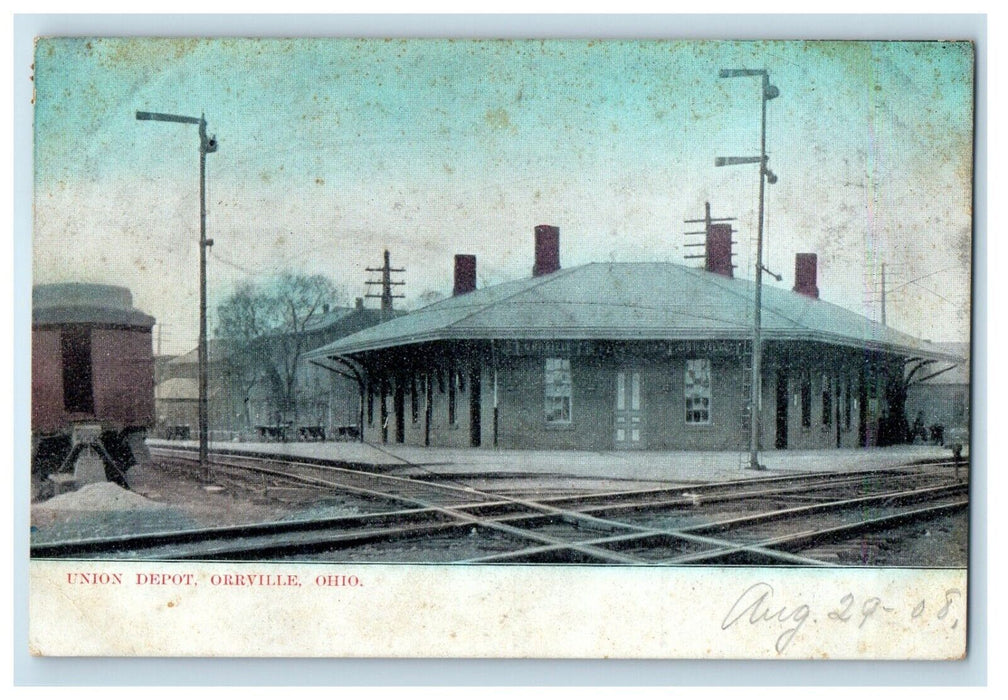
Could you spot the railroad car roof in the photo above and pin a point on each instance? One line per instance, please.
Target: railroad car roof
(632, 301)
(78, 302)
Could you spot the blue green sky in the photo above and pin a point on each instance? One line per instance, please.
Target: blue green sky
(331, 151)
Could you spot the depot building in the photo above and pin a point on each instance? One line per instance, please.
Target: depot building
(629, 356)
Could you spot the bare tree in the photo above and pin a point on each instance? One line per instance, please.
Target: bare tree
(243, 322)
(266, 329)
(299, 301)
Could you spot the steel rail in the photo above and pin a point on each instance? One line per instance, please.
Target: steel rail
(248, 533)
(272, 530)
(803, 540)
(897, 497)
(69, 548)
(329, 463)
(572, 517)
(471, 520)
(679, 501)
(693, 534)
(468, 520)
(829, 479)
(642, 533)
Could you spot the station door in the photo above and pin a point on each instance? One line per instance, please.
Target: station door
(628, 424)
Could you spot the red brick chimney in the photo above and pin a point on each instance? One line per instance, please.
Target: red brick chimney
(465, 274)
(805, 275)
(719, 249)
(547, 250)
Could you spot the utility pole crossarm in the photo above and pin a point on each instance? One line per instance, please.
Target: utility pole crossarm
(386, 283)
(162, 117)
(741, 72)
(735, 160)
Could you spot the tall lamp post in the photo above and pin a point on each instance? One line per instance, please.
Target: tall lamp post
(768, 92)
(206, 145)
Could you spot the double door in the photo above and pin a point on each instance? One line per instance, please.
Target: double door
(628, 424)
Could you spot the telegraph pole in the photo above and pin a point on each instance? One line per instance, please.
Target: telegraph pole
(206, 145)
(767, 92)
(386, 283)
(706, 221)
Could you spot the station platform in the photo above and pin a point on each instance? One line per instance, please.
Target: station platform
(640, 466)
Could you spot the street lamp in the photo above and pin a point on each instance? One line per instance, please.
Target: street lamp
(767, 93)
(206, 145)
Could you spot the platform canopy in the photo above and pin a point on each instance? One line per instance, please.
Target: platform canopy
(632, 301)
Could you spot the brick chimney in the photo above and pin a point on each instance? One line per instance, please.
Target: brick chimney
(465, 274)
(547, 250)
(719, 249)
(805, 275)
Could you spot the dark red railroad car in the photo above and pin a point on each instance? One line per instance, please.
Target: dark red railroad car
(92, 379)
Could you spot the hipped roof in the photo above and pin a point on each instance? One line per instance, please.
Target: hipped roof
(218, 349)
(632, 301)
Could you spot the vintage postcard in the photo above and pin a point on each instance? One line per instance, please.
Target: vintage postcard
(501, 348)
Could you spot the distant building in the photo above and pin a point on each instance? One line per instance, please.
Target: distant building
(176, 395)
(940, 393)
(176, 403)
(321, 398)
(628, 356)
(161, 367)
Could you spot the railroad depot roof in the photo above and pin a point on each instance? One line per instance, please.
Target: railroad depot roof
(631, 301)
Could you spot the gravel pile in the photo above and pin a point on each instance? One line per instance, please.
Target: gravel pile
(103, 496)
(101, 510)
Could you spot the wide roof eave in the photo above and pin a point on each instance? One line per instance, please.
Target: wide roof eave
(560, 333)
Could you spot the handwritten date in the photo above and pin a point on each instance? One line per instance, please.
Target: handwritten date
(757, 607)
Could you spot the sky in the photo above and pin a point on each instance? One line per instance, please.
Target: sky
(332, 151)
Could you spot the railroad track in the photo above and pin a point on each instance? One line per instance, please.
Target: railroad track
(737, 522)
(334, 475)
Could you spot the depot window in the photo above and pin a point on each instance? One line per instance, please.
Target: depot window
(697, 391)
(557, 390)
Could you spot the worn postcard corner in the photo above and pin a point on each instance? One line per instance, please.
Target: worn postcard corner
(427, 348)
